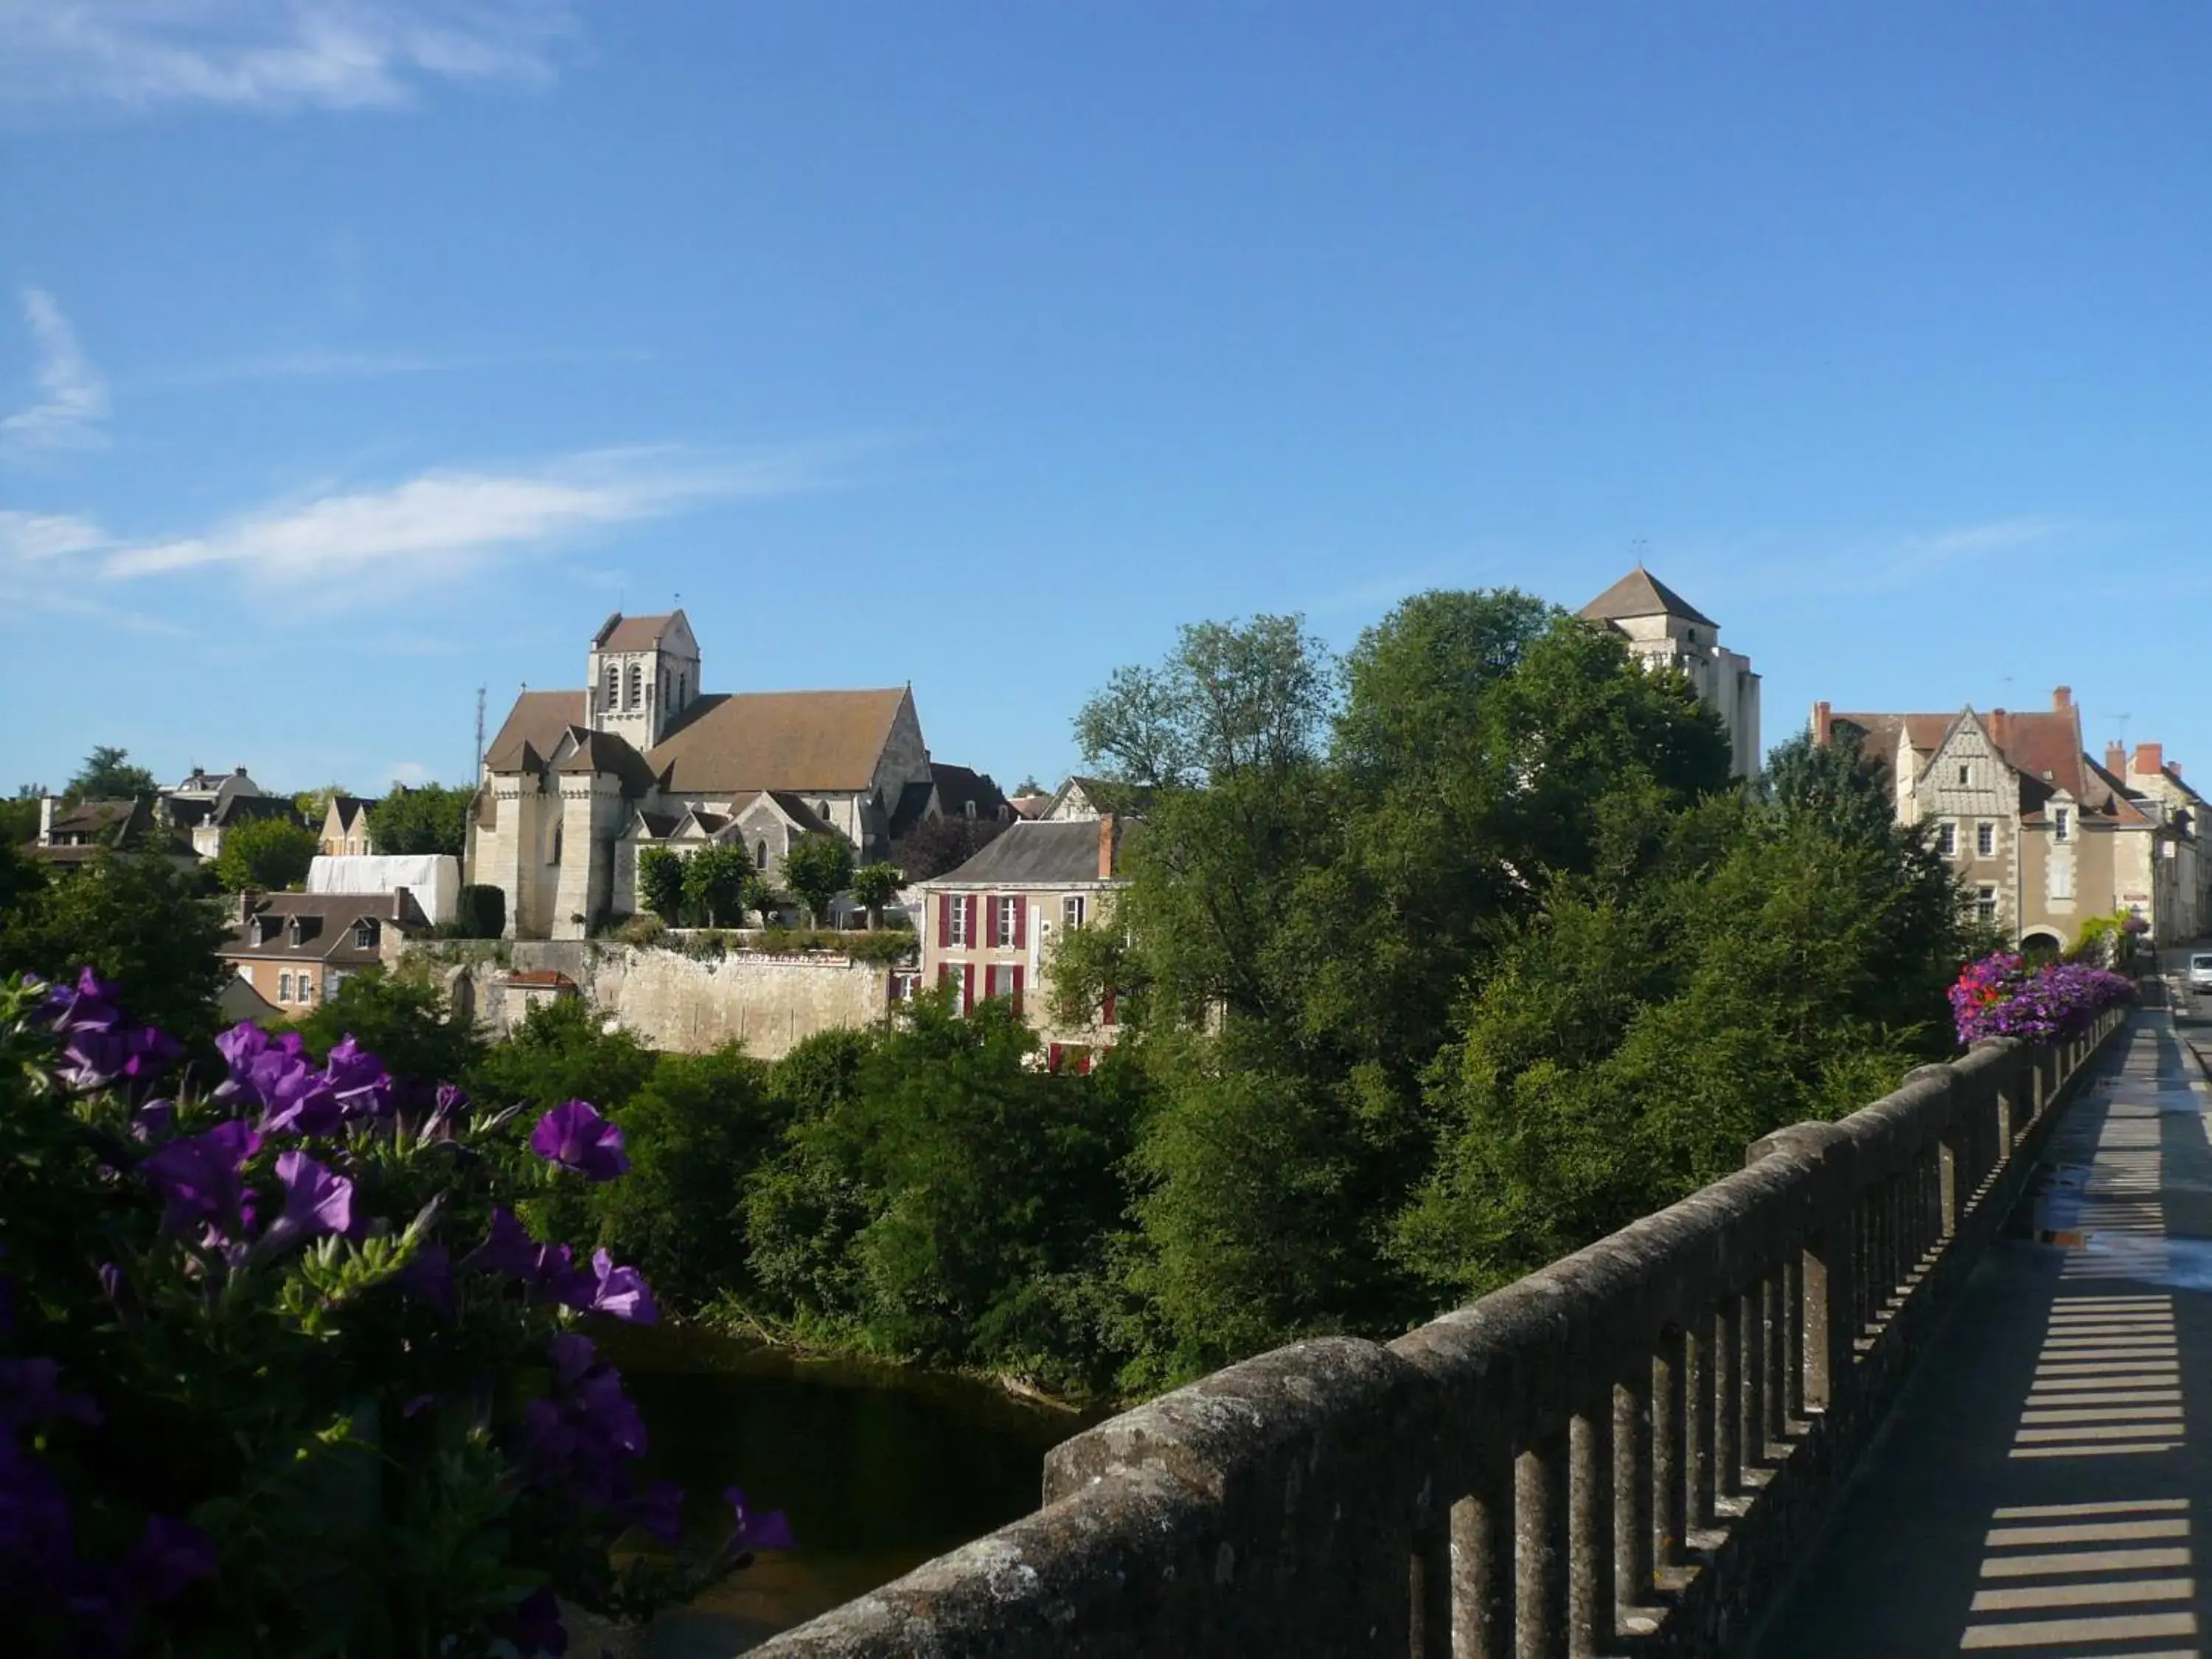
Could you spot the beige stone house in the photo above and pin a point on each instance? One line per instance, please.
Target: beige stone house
(296, 949)
(988, 928)
(2042, 836)
(207, 805)
(1665, 630)
(576, 784)
(344, 830)
(2155, 784)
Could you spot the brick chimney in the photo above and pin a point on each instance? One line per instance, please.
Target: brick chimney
(399, 896)
(2062, 699)
(1105, 847)
(2150, 758)
(2116, 760)
(245, 903)
(1821, 720)
(47, 805)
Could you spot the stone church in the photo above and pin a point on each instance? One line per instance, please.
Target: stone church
(577, 783)
(1665, 630)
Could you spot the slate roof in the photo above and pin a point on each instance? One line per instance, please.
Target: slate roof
(732, 743)
(908, 811)
(1054, 853)
(800, 812)
(956, 786)
(350, 809)
(602, 751)
(326, 927)
(621, 633)
(538, 719)
(1640, 593)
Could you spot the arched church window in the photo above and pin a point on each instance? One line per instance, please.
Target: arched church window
(760, 855)
(614, 687)
(683, 690)
(636, 686)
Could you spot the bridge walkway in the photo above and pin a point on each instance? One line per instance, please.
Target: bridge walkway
(2043, 1484)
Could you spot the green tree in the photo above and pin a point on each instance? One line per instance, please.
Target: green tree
(265, 855)
(817, 869)
(18, 818)
(399, 1018)
(937, 845)
(714, 881)
(695, 1130)
(875, 885)
(560, 1052)
(429, 817)
(661, 881)
(107, 775)
(759, 896)
(131, 917)
(315, 805)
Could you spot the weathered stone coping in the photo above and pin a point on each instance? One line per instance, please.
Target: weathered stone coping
(1625, 1451)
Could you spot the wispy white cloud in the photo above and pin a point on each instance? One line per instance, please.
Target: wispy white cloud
(1769, 565)
(408, 772)
(46, 559)
(318, 363)
(384, 545)
(270, 54)
(72, 398)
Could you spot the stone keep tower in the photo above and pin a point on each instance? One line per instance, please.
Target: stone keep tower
(644, 673)
(1665, 630)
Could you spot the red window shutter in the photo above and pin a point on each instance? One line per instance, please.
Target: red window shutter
(1106, 1010)
(967, 987)
(944, 974)
(943, 921)
(1021, 923)
(1052, 1057)
(1018, 987)
(973, 936)
(990, 903)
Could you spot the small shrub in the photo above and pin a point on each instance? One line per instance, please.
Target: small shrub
(643, 928)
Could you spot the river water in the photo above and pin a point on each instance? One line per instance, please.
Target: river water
(879, 1468)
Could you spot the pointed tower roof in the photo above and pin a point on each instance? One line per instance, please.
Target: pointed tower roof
(1640, 593)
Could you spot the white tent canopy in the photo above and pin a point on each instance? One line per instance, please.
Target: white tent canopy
(434, 878)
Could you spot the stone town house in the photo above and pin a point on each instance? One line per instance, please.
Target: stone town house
(2042, 837)
(344, 830)
(576, 784)
(989, 927)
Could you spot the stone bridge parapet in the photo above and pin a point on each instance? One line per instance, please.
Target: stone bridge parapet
(1624, 1452)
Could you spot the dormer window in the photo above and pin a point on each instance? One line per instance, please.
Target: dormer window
(966, 809)
(364, 934)
(296, 932)
(2062, 824)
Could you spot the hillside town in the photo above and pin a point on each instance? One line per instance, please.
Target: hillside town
(580, 789)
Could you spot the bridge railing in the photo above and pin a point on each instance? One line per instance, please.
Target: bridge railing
(1625, 1452)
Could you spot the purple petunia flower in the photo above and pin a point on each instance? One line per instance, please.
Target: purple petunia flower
(357, 1081)
(198, 1176)
(447, 1116)
(428, 1277)
(548, 1270)
(574, 1136)
(535, 1626)
(168, 1555)
(771, 1531)
(154, 1119)
(31, 1393)
(89, 1006)
(315, 1202)
(620, 1292)
(95, 1057)
(660, 1509)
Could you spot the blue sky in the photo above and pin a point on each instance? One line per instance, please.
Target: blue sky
(357, 353)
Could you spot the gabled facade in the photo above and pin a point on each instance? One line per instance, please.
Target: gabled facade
(989, 927)
(296, 949)
(207, 805)
(2041, 835)
(343, 833)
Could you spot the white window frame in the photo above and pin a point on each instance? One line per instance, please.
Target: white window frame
(364, 934)
(1946, 839)
(1986, 903)
(1073, 910)
(1985, 840)
(998, 979)
(284, 986)
(1007, 919)
(956, 931)
(2062, 824)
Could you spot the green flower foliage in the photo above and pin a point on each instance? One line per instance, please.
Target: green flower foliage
(265, 855)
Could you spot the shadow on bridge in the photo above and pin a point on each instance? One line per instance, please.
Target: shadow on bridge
(2039, 1488)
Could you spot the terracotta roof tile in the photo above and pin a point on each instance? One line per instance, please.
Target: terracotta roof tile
(621, 633)
(1640, 593)
(538, 719)
(779, 740)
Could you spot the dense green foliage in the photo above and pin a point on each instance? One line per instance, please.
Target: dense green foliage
(133, 917)
(429, 817)
(265, 855)
(19, 816)
(661, 881)
(107, 774)
(874, 885)
(715, 883)
(817, 869)
(480, 912)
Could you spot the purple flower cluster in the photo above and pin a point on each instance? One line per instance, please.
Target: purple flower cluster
(102, 1048)
(43, 1577)
(549, 1273)
(2000, 996)
(293, 1095)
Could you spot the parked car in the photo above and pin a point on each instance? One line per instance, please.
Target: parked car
(2200, 971)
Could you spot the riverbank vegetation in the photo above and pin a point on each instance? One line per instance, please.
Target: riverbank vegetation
(1435, 961)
